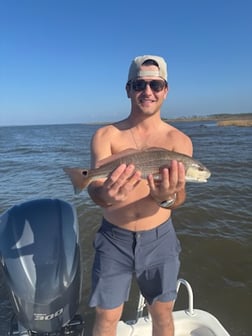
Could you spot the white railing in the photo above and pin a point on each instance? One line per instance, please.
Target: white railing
(190, 310)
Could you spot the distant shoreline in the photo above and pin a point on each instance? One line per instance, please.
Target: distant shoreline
(238, 119)
(242, 120)
(235, 122)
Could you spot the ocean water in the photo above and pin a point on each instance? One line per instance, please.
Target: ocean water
(214, 224)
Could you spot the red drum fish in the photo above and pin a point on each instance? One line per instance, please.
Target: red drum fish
(148, 161)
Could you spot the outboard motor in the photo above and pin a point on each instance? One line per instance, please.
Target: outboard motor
(40, 257)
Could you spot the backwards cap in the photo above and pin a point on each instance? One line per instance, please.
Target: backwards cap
(135, 68)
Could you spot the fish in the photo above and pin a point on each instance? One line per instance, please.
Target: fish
(148, 161)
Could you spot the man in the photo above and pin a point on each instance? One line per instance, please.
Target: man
(137, 235)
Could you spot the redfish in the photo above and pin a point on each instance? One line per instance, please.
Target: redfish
(148, 161)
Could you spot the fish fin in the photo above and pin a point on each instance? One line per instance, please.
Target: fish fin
(149, 149)
(79, 178)
(128, 151)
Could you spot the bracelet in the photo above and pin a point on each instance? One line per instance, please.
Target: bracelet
(168, 203)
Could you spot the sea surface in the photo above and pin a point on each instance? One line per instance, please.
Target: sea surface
(214, 225)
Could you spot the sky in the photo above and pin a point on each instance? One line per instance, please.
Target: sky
(66, 61)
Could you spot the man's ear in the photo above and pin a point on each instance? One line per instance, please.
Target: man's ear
(128, 88)
(166, 92)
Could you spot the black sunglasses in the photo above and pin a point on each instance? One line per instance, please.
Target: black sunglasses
(156, 85)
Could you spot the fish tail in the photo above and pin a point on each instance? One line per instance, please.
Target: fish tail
(79, 178)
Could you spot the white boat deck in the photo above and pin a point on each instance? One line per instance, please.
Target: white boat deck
(190, 322)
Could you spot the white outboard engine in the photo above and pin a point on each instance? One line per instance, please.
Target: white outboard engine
(40, 257)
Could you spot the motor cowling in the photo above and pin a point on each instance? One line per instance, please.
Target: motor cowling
(40, 257)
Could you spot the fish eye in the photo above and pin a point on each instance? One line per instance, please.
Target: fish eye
(200, 168)
(84, 172)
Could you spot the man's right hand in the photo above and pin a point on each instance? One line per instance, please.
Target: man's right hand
(120, 183)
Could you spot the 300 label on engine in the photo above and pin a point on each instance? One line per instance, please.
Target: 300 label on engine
(47, 317)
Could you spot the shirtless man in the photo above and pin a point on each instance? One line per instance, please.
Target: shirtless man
(136, 234)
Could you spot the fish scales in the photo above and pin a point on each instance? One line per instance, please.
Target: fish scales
(148, 161)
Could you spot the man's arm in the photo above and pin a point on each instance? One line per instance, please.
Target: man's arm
(114, 189)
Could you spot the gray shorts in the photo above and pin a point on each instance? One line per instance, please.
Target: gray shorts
(152, 255)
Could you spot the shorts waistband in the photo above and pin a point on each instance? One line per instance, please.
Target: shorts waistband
(146, 235)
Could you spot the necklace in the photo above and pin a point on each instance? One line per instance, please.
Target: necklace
(134, 139)
(145, 138)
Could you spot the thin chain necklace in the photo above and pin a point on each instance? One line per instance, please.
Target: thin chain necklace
(134, 139)
(137, 145)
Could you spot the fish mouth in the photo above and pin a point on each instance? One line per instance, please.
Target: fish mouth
(197, 175)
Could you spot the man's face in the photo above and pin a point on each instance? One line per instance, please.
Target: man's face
(147, 94)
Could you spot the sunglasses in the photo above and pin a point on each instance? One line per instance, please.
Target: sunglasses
(155, 85)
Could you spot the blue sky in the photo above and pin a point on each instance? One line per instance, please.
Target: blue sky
(67, 61)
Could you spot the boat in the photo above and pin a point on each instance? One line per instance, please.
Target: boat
(40, 258)
(188, 322)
